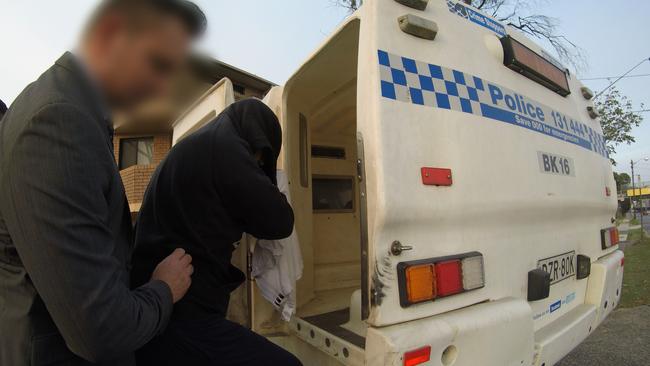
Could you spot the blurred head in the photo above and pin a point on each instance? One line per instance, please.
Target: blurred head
(132, 48)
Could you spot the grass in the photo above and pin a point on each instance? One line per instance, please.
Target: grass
(636, 280)
(634, 222)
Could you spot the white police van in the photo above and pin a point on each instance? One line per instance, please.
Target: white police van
(452, 191)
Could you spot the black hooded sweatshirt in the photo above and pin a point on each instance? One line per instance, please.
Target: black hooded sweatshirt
(207, 192)
(3, 109)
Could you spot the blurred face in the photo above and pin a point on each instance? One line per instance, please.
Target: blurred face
(136, 62)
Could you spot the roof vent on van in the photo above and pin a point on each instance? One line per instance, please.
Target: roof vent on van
(418, 26)
(415, 4)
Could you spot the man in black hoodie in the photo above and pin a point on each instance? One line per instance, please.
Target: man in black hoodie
(215, 185)
(3, 109)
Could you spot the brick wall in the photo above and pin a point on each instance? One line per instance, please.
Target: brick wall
(136, 178)
(162, 143)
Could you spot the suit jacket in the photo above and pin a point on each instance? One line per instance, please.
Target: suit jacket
(66, 234)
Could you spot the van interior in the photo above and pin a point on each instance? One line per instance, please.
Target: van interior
(322, 162)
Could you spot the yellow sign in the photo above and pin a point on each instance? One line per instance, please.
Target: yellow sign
(638, 192)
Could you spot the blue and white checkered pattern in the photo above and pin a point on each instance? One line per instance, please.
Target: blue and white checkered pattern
(416, 82)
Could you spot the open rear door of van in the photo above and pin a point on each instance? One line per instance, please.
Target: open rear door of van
(204, 110)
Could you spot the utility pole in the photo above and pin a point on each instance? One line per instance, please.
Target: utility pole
(642, 208)
(632, 162)
(633, 191)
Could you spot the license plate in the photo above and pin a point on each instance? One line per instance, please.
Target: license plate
(559, 267)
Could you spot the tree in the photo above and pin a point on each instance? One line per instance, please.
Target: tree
(519, 14)
(618, 118)
(351, 5)
(622, 180)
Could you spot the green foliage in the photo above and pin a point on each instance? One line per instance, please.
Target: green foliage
(622, 180)
(617, 117)
(636, 281)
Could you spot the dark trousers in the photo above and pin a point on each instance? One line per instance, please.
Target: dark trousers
(213, 341)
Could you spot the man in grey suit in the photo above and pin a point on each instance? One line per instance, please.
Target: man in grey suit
(65, 228)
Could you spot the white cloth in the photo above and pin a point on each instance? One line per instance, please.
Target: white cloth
(277, 265)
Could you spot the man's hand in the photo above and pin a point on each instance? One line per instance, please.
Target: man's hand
(176, 271)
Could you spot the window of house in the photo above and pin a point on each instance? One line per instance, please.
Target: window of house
(239, 89)
(136, 151)
(333, 194)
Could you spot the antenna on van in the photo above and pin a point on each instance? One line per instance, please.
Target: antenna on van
(621, 77)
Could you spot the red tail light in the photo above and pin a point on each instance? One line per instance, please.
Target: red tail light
(418, 356)
(609, 237)
(428, 279)
(449, 278)
(613, 233)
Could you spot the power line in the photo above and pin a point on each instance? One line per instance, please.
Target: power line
(614, 77)
(620, 77)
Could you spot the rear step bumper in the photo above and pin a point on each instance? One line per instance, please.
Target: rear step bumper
(557, 339)
(499, 333)
(495, 333)
(336, 347)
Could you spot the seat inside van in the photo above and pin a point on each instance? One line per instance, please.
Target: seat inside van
(322, 155)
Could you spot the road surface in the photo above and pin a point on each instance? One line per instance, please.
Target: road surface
(622, 340)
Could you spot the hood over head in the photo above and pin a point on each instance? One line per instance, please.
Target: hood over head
(3, 109)
(256, 123)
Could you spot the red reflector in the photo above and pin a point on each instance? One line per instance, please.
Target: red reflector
(449, 279)
(436, 177)
(418, 356)
(622, 261)
(608, 192)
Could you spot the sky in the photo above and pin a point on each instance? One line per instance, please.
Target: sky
(272, 38)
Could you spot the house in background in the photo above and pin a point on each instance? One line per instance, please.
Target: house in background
(143, 139)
